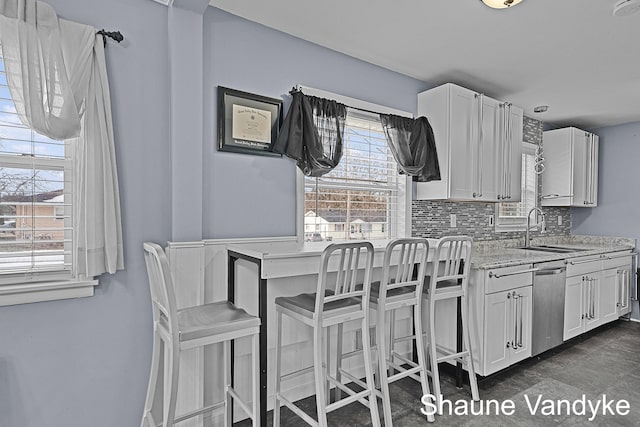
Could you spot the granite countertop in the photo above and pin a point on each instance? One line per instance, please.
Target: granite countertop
(506, 253)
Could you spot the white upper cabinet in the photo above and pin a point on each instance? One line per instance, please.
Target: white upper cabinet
(479, 145)
(570, 177)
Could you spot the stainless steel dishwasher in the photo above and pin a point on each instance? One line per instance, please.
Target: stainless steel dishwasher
(548, 306)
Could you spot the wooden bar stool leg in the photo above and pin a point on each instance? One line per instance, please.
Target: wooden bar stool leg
(327, 344)
(383, 367)
(368, 369)
(318, 367)
(422, 359)
(339, 343)
(467, 347)
(276, 405)
(172, 370)
(392, 336)
(147, 419)
(435, 374)
(255, 362)
(228, 401)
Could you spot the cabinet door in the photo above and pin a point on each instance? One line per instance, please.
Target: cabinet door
(609, 293)
(490, 149)
(592, 199)
(557, 179)
(573, 307)
(522, 319)
(463, 144)
(499, 331)
(514, 155)
(581, 167)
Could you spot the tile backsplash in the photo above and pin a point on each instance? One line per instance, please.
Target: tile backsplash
(431, 218)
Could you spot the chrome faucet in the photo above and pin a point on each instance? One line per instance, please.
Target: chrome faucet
(542, 225)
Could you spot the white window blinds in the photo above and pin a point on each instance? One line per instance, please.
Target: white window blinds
(35, 195)
(359, 198)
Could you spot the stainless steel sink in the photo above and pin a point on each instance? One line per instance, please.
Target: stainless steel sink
(552, 249)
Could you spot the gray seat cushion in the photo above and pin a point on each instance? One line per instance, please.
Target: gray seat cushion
(212, 319)
(443, 285)
(305, 304)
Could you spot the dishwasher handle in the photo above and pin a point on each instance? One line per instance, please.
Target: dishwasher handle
(549, 271)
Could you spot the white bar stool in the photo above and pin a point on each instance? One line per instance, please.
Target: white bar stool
(188, 328)
(329, 307)
(447, 280)
(400, 289)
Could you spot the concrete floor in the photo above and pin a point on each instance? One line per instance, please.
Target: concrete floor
(604, 362)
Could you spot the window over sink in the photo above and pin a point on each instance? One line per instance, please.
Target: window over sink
(513, 216)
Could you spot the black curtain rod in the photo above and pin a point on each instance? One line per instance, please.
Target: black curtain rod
(295, 89)
(115, 35)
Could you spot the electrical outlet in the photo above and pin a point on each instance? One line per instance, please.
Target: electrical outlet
(491, 219)
(452, 221)
(559, 219)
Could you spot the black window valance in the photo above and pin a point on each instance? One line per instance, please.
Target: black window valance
(412, 144)
(312, 133)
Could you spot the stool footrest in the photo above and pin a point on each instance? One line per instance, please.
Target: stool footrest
(346, 389)
(289, 375)
(299, 412)
(197, 412)
(241, 402)
(453, 356)
(411, 372)
(360, 396)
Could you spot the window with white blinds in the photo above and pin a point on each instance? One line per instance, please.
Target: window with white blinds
(513, 216)
(359, 199)
(35, 196)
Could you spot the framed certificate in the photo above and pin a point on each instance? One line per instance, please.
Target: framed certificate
(247, 123)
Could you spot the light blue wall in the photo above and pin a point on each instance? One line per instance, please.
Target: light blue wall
(251, 195)
(85, 362)
(618, 210)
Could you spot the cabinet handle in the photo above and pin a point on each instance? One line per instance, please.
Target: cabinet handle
(580, 262)
(509, 148)
(521, 300)
(480, 141)
(629, 254)
(497, 276)
(555, 196)
(503, 148)
(620, 283)
(515, 321)
(624, 302)
(592, 284)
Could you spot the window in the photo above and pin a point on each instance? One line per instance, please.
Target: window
(363, 197)
(513, 216)
(35, 195)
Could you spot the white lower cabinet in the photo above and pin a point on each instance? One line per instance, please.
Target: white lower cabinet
(597, 291)
(500, 317)
(507, 328)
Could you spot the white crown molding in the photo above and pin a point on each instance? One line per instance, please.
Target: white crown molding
(164, 2)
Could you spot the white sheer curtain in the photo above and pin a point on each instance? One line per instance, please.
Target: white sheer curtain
(57, 76)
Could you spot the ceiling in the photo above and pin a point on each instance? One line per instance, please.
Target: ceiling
(572, 55)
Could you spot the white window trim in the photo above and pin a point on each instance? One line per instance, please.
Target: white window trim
(24, 293)
(30, 287)
(404, 191)
(518, 224)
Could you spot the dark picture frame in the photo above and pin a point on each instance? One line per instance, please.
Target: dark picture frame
(248, 123)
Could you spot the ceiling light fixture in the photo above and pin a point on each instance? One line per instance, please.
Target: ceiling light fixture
(626, 7)
(541, 109)
(500, 4)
